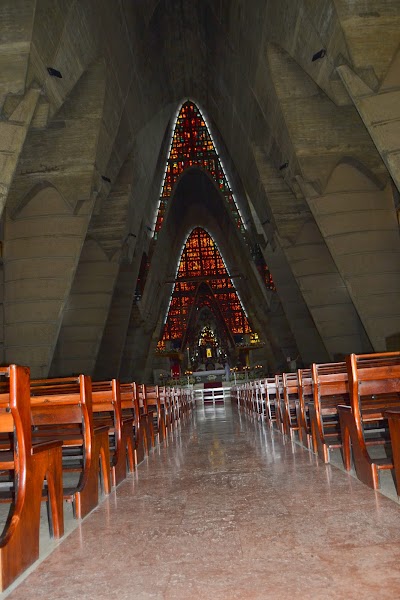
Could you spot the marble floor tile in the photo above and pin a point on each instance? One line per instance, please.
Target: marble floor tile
(227, 509)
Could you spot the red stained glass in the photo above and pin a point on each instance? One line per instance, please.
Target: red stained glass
(201, 261)
(192, 146)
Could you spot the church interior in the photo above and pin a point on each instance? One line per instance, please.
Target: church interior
(200, 276)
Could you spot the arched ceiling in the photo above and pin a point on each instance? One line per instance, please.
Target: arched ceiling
(198, 202)
(283, 122)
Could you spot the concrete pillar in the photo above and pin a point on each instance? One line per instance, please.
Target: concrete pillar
(85, 312)
(307, 279)
(46, 222)
(137, 349)
(16, 19)
(12, 137)
(43, 244)
(2, 313)
(358, 222)
(325, 293)
(307, 336)
(380, 112)
(115, 331)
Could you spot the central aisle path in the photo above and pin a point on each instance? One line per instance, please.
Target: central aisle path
(228, 510)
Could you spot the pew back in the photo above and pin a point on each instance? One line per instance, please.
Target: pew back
(63, 408)
(305, 396)
(29, 465)
(290, 404)
(374, 383)
(330, 388)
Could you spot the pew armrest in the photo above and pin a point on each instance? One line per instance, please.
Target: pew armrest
(393, 413)
(44, 446)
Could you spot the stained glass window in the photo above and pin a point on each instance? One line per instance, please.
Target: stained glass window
(192, 146)
(200, 262)
(262, 267)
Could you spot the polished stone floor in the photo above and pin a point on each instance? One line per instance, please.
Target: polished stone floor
(228, 510)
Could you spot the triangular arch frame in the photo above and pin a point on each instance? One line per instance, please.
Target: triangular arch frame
(217, 278)
(207, 159)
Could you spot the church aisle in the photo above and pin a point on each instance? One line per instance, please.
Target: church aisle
(228, 510)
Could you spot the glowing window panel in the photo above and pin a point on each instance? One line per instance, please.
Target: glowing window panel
(202, 261)
(191, 146)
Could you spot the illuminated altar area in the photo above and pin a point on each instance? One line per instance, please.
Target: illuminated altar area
(206, 330)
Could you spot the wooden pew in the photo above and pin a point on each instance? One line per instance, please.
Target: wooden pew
(259, 399)
(187, 399)
(107, 409)
(172, 400)
(165, 402)
(330, 388)
(29, 464)
(247, 398)
(237, 395)
(179, 403)
(374, 384)
(146, 417)
(155, 412)
(130, 408)
(189, 392)
(305, 396)
(256, 400)
(269, 385)
(242, 397)
(393, 417)
(183, 407)
(171, 407)
(63, 408)
(289, 406)
(278, 403)
(176, 409)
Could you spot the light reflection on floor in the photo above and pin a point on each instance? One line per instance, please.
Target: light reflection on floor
(229, 509)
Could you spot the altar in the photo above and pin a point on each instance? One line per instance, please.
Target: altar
(214, 375)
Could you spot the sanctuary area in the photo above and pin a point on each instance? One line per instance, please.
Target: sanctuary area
(199, 299)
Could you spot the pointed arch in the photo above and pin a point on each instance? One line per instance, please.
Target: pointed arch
(357, 218)
(42, 191)
(204, 299)
(201, 262)
(193, 146)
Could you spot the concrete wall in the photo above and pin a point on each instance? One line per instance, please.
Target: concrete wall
(311, 147)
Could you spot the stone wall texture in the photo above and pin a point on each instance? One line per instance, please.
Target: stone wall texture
(311, 148)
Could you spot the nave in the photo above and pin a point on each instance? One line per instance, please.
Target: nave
(228, 509)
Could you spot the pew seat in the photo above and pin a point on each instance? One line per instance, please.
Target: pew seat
(29, 465)
(305, 392)
(289, 405)
(63, 409)
(156, 413)
(107, 410)
(130, 408)
(329, 389)
(269, 386)
(374, 385)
